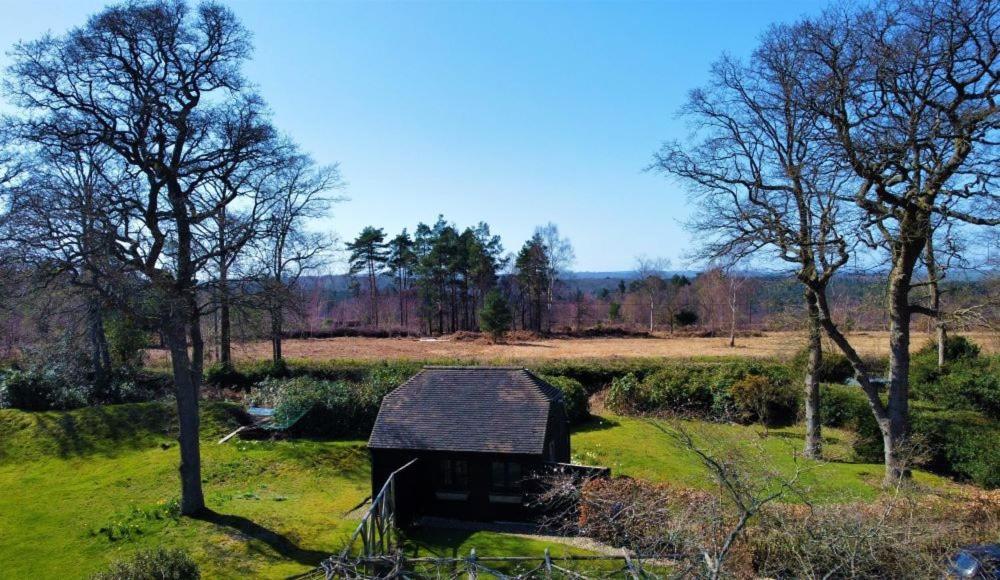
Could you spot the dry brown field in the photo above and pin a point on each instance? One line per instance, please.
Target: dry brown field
(771, 344)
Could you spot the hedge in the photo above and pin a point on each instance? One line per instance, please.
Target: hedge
(736, 390)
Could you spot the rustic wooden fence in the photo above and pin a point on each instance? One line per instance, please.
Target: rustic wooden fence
(377, 531)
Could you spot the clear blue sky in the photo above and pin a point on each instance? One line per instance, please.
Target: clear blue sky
(515, 113)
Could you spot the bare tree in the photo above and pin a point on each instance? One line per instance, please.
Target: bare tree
(651, 284)
(560, 254)
(765, 184)
(286, 249)
(160, 86)
(907, 93)
(55, 223)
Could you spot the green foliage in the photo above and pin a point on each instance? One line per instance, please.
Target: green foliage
(127, 342)
(681, 389)
(967, 381)
(339, 408)
(765, 400)
(574, 397)
(40, 390)
(227, 377)
(614, 310)
(834, 366)
(627, 395)
(960, 443)
(843, 406)
(707, 390)
(686, 317)
(955, 347)
(495, 317)
(158, 564)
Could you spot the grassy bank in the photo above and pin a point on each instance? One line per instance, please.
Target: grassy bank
(84, 487)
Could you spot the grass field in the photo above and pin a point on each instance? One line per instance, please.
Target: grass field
(772, 344)
(81, 488)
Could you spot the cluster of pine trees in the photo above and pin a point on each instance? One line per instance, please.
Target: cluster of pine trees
(444, 274)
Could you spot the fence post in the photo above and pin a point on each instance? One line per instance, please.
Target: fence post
(473, 572)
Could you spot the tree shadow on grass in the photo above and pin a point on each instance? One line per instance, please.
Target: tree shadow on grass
(277, 542)
(595, 423)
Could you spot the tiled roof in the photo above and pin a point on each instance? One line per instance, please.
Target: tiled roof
(477, 409)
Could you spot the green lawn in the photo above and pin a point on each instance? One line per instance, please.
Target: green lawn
(73, 500)
(82, 488)
(637, 448)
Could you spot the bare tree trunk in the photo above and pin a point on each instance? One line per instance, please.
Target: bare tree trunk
(879, 410)
(175, 335)
(813, 443)
(100, 352)
(276, 330)
(225, 327)
(899, 364)
(651, 317)
(933, 279)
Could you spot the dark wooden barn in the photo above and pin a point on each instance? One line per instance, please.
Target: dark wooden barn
(477, 433)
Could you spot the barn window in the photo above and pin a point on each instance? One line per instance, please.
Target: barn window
(506, 476)
(454, 474)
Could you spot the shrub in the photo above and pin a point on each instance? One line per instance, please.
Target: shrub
(955, 348)
(680, 389)
(227, 377)
(843, 406)
(726, 376)
(834, 367)
(127, 342)
(339, 408)
(628, 395)
(41, 390)
(965, 383)
(574, 397)
(764, 399)
(158, 564)
(686, 318)
(959, 443)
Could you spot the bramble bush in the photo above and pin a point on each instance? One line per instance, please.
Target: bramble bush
(158, 564)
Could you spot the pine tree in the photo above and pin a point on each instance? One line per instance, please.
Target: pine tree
(368, 254)
(495, 317)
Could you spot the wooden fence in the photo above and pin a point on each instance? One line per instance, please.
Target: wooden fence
(377, 531)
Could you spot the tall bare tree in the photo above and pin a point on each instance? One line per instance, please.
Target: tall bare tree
(650, 283)
(286, 248)
(159, 85)
(908, 94)
(561, 256)
(766, 184)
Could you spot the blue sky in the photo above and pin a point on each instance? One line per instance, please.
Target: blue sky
(516, 113)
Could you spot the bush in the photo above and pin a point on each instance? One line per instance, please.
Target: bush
(574, 397)
(959, 443)
(726, 376)
(335, 408)
(226, 377)
(766, 400)
(628, 395)
(843, 406)
(40, 390)
(680, 389)
(965, 383)
(158, 564)
(127, 342)
(834, 367)
(686, 318)
(955, 348)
